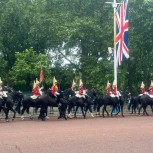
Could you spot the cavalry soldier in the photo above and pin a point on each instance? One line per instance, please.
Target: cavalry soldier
(73, 86)
(151, 88)
(36, 89)
(108, 89)
(1, 88)
(142, 88)
(54, 87)
(81, 93)
(114, 91)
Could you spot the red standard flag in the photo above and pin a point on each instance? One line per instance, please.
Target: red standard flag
(41, 75)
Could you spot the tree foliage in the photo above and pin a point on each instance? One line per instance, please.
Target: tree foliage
(79, 31)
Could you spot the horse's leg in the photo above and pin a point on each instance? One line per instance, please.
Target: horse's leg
(139, 109)
(103, 110)
(7, 112)
(98, 110)
(69, 110)
(17, 109)
(60, 108)
(46, 112)
(30, 116)
(64, 115)
(76, 111)
(22, 112)
(145, 111)
(106, 110)
(13, 112)
(42, 114)
(112, 110)
(132, 109)
(83, 112)
(90, 110)
(120, 109)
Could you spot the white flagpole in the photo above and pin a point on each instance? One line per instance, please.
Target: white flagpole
(115, 61)
(114, 4)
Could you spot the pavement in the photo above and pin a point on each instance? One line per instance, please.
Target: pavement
(129, 134)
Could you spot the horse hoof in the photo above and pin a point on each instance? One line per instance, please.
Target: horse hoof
(59, 117)
(92, 115)
(13, 119)
(22, 118)
(43, 119)
(69, 115)
(6, 120)
(47, 117)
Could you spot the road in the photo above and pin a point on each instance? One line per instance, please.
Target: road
(92, 135)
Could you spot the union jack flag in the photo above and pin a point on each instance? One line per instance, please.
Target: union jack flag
(122, 51)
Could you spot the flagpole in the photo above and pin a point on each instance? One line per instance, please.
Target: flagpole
(115, 63)
(114, 4)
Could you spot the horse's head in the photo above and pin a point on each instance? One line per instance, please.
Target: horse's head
(91, 93)
(8, 89)
(68, 93)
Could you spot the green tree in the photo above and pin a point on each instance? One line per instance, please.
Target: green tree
(27, 68)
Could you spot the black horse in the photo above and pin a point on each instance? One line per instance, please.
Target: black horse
(9, 99)
(2, 107)
(134, 103)
(47, 99)
(54, 101)
(115, 102)
(144, 101)
(84, 103)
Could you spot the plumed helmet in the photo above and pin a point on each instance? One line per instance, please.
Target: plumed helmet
(108, 83)
(73, 83)
(37, 82)
(151, 83)
(34, 84)
(81, 83)
(114, 83)
(54, 81)
(142, 84)
(1, 82)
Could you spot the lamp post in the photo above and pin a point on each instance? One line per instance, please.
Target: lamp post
(114, 5)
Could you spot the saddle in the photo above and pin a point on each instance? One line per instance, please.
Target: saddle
(34, 97)
(112, 95)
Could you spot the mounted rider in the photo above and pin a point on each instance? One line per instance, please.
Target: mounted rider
(142, 89)
(114, 90)
(108, 89)
(81, 93)
(54, 88)
(73, 87)
(1, 88)
(151, 89)
(36, 89)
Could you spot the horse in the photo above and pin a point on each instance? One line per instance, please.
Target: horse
(42, 102)
(59, 101)
(145, 100)
(115, 102)
(9, 99)
(83, 103)
(2, 107)
(134, 104)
